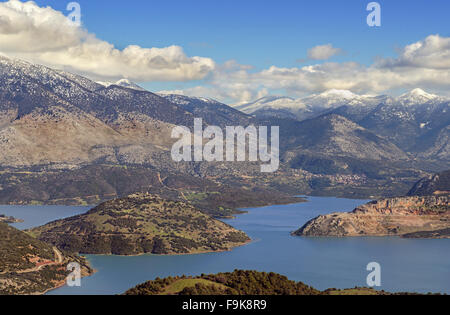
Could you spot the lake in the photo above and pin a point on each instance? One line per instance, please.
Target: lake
(407, 264)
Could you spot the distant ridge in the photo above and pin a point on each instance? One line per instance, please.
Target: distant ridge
(437, 184)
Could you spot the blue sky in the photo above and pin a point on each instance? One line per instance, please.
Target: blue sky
(261, 33)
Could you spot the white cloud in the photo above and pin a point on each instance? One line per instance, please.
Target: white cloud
(323, 52)
(423, 64)
(178, 92)
(44, 35)
(432, 53)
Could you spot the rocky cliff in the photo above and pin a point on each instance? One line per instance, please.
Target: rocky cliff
(394, 216)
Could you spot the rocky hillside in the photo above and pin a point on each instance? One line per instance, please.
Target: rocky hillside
(437, 184)
(395, 216)
(9, 220)
(50, 117)
(335, 135)
(139, 224)
(212, 111)
(30, 266)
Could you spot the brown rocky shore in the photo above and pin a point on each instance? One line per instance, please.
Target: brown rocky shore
(416, 216)
(9, 220)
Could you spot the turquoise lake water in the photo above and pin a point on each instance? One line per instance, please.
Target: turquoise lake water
(407, 264)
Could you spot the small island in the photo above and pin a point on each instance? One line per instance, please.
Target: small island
(140, 224)
(414, 216)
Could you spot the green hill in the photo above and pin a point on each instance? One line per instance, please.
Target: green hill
(241, 282)
(238, 282)
(139, 224)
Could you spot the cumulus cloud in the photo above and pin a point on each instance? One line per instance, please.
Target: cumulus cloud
(425, 64)
(44, 35)
(323, 52)
(431, 53)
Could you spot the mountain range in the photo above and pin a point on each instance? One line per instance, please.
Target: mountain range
(54, 123)
(417, 122)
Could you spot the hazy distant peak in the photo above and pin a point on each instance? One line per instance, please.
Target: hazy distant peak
(272, 98)
(123, 83)
(274, 102)
(184, 100)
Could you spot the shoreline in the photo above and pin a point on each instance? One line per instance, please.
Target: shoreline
(63, 284)
(175, 254)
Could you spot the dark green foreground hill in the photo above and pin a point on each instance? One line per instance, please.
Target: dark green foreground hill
(29, 266)
(239, 282)
(139, 224)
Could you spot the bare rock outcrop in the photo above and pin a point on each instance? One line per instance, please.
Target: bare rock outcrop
(387, 217)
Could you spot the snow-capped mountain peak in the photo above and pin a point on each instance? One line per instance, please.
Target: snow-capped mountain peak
(417, 96)
(332, 98)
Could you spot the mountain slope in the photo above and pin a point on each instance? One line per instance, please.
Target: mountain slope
(410, 127)
(335, 135)
(51, 117)
(213, 112)
(432, 185)
(417, 122)
(29, 266)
